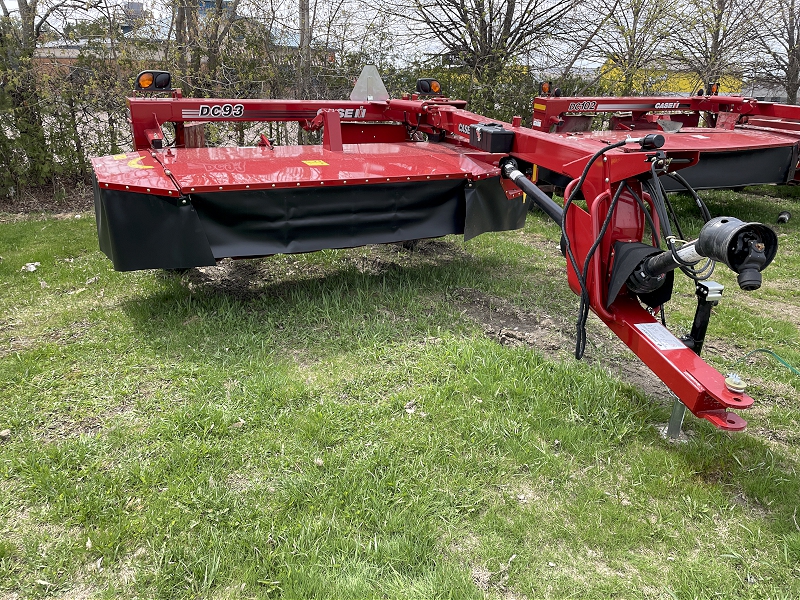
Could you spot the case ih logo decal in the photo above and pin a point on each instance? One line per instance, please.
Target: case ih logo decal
(587, 105)
(667, 105)
(462, 128)
(350, 113)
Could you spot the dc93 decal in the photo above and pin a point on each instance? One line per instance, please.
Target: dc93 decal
(221, 110)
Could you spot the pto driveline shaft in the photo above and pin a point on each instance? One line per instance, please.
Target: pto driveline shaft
(551, 209)
(665, 262)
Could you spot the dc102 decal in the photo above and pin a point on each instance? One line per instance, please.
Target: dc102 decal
(586, 105)
(590, 105)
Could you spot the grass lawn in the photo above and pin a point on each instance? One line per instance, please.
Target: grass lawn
(379, 423)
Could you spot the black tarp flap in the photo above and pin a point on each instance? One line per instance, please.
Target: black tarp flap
(738, 168)
(488, 209)
(143, 231)
(306, 219)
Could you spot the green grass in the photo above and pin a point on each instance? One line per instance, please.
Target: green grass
(334, 425)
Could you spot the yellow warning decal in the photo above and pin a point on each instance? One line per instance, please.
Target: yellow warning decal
(120, 156)
(136, 163)
(539, 106)
(315, 163)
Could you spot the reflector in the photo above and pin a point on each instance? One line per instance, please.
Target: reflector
(162, 81)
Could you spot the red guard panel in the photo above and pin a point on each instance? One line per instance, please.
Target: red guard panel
(134, 172)
(229, 169)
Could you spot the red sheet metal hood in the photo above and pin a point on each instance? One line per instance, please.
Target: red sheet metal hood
(187, 170)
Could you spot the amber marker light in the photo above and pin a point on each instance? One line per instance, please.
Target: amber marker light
(145, 80)
(429, 87)
(153, 81)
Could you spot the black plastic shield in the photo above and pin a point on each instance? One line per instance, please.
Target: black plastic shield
(724, 170)
(488, 209)
(142, 231)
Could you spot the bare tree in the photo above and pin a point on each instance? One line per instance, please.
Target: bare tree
(570, 60)
(217, 27)
(304, 45)
(780, 44)
(633, 41)
(485, 35)
(715, 38)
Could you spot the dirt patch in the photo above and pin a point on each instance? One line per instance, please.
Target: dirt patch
(60, 426)
(7, 325)
(511, 326)
(491, 583)
(379, 259)
(553, 336)
(64, 336)
(481, 577)
(246, 279)
(18, 344)
(780, 311)
(239, 482)
(79, 593)
(239, 279)
(494, 581)
(63, 201)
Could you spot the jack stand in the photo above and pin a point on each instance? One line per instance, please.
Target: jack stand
(708, 293)
(675, 420)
